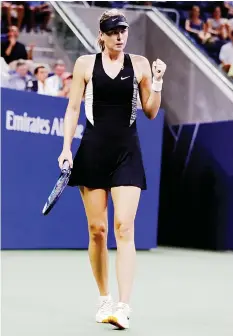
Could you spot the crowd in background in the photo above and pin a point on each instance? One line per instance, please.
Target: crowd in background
(20, 70)
(27, 76)
(215, 33)
(209, 24)
(33, 15)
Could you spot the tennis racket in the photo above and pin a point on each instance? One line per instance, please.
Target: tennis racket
(58, 188)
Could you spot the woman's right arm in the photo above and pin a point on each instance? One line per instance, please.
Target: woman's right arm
(73, 109)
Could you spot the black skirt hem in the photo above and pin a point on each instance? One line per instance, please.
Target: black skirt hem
(97, 186)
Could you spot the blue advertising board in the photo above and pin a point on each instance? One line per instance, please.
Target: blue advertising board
(32, 138)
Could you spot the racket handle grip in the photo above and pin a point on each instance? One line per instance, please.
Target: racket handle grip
(65, 166)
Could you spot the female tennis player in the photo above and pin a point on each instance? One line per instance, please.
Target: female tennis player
(109, 157)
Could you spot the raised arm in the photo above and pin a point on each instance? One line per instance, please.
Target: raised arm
(73, 109)
(150, 93)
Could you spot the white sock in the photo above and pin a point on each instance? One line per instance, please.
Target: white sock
(105, 297)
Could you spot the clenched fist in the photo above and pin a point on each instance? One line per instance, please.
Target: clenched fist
(158, 69)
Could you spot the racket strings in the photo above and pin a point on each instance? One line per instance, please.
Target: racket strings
(59, 187)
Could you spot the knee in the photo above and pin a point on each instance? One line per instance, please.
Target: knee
(97, 230)
(124, 229)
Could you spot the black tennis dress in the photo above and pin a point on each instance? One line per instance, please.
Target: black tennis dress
(109, 154)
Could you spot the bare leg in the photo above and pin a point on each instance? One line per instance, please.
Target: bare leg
(95, 203)
(46, 18)
(20, 11)
(32, 13)
(125, 200)
(7, 9)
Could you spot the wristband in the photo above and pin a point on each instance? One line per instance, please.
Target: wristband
(157, 85)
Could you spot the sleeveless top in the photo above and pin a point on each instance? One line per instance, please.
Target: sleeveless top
(111, 104)
(197, 26)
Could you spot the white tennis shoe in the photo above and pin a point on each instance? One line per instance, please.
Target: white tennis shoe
(105, 309)
(120, 318)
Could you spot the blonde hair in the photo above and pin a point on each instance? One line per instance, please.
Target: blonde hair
(106, 15)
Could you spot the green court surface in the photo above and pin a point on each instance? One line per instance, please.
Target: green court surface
(176, 293)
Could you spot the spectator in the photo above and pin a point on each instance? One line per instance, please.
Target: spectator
(67, 80)
(13, 9)
(205, 37)
(217, 25)
(4, 73)
(39, 11)
(55, 82)
(231, 24)
(226, 56)
(40, 85)
(194, 25)
(20, 80)
(13, 50)
(229, 7)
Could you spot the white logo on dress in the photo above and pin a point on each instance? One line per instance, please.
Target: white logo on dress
(114, 19)
(122, 78)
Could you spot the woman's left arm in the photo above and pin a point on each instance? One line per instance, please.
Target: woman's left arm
(150, 90)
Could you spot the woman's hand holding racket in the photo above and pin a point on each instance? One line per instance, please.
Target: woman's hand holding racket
(65, 164)
(66, 155)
